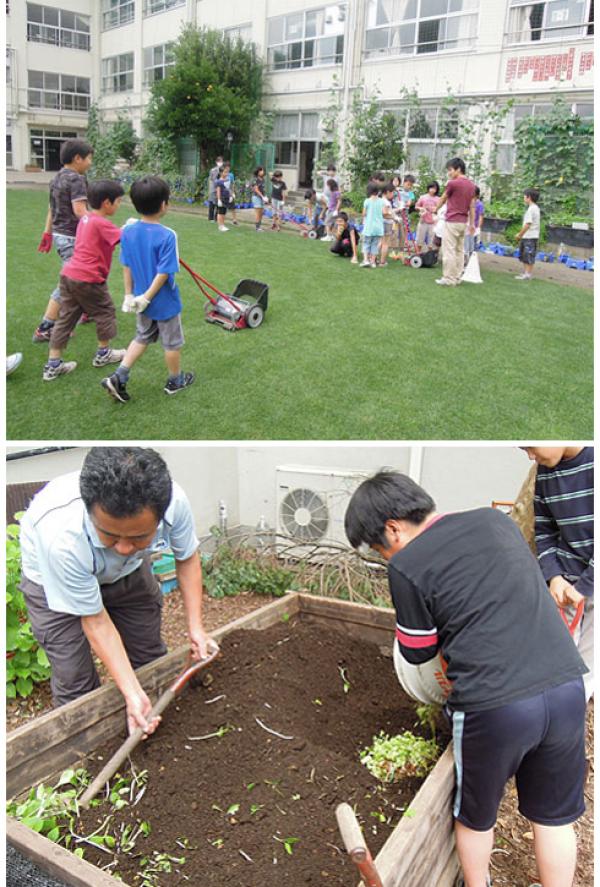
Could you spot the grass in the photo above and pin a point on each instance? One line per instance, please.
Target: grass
(344, 352)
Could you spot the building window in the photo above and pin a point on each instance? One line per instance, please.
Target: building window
(9, 152)
(117, 73)
(307, 39)
(241, 32)
(552, 20)
(58, 92)
(58, 27)
(117, 12)
(151, 7)
(414, 27)
(157, 61)
(45, 147)
(431, 133)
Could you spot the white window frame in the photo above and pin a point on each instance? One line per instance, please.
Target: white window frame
(56, 35)
(60, 93)
(296, 139)
(509, 38)
(115, 67)
(155, 7)
(9, 151)
(272, 66)
(45, 134)
(470, 43)
(149, 77)
(237, 31)
(116, 13)
(436, 141)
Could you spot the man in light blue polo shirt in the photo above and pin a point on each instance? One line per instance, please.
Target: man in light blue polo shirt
(86, 541)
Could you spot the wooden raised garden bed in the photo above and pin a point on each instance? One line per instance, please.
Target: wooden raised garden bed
(286, 665)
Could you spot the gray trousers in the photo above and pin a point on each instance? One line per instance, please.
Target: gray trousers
(134, 604)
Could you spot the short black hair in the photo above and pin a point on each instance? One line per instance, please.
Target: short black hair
(103, 189)
(435, 185)
(125, 480)
(477, 191)
(372, 189)
(456, 163)
(388, 495)
(258, 169)
(73, 147)
(309, 193)
(409, 178)
(331, 166)
(332, 184)
(532, 193)
(277, 174)
(343, 216)
(224, 166)
(148, 194)
(388, 187)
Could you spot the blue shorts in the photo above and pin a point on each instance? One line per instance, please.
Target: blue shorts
(539, 740)
(257, 202)
(371, 245)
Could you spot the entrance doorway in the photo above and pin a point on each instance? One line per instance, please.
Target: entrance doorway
(308, 152)
(45, 147)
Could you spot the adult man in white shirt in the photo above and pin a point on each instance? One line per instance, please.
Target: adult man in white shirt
(86, 541)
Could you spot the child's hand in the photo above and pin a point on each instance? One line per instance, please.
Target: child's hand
(130, 221)
(45, 243)
(140, 303)
(128, 306)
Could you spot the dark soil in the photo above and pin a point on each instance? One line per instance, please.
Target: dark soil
(288, 677)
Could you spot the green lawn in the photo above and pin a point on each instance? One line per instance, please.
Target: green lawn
(344, 352)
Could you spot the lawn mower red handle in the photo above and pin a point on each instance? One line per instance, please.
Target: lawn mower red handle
(355, 845)
(572, 625)
(124, 750)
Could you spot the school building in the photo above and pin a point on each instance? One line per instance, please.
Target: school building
(62, 55)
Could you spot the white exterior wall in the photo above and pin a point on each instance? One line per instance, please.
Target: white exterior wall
(245, 477)
(490, 69)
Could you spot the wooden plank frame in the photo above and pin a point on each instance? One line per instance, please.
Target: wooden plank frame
(420, 851)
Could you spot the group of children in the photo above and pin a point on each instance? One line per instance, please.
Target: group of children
(79, 223)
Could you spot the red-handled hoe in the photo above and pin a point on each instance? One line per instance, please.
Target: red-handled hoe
(109, 770)
(354, 843)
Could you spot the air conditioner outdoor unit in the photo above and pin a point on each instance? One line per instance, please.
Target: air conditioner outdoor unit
(312, 502)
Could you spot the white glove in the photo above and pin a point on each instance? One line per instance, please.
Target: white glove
(140, 303)
(219, 203)
(130, 221)
(128, 306)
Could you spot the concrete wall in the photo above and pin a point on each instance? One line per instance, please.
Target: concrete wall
(457, 477)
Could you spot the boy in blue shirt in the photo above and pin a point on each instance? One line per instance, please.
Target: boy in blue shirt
(150, 261)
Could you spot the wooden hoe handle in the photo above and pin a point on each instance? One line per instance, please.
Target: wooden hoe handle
(124, 750)
(355, 845)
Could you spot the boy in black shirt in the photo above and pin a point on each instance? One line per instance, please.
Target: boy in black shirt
(346, 239)
(466, 585)
(278, 191)
(68, 203)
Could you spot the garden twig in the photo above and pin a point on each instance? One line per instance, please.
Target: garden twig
(268, 729)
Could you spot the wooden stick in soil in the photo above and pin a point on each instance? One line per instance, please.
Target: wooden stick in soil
(354, 843)
(123, 752)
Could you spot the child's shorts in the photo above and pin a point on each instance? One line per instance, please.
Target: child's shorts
(388, 227)
(257, 202)
(539, 740)
(371, 245)
(222, 210)
(78, 297)
(527, 250)
(170, 332)
(277, 206)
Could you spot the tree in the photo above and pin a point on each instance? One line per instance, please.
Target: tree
(110, 141)
(374, 139)
(214, 87)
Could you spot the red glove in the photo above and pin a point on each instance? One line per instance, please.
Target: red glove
(45, 243)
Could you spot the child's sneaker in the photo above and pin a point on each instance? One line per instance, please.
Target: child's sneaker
(365, 264)
(51, 373)
(113, 355)
(42, 334)
(223, 228)
(173, 387)
(115, 388)
(522, 277)
(353, 261)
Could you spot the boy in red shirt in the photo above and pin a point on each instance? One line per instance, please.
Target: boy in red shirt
(83, 282)
(460, 220)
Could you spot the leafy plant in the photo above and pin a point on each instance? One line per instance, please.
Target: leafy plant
(344, 676)
(154, 865)
(51, 810)
(111, 141)
(26, 663)
(427, 716)
(392, 758)
(241, 569)
(288, 843)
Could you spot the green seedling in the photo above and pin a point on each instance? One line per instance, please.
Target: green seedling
(295, 797)
(218, 734)
(254, 808)
(317, 702)
(427, 716)
(217, 842)
(288, 843)
(231, 811)
(344, 677)
(153, 866)
(392, 758)
(377, 814)
(274, 784)
(250, 786)
(285, 617)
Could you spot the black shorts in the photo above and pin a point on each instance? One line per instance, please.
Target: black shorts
(539, 740)
(222, 210)
(527, 250)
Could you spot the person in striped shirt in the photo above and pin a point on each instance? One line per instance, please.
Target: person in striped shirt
(564, 535)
